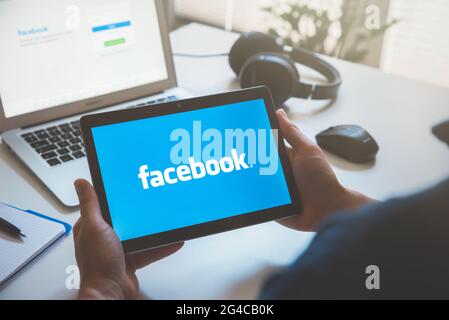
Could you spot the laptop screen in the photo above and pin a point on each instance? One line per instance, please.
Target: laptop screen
(55, 52)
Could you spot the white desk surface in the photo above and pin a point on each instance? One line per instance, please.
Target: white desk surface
(398, 112)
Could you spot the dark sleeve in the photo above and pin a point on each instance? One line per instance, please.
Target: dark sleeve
(407, 239)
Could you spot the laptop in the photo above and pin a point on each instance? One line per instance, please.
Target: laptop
(61, 59)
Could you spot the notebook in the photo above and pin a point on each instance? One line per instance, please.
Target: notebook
(41, 232)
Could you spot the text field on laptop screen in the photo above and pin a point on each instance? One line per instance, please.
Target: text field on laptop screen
(56, 52)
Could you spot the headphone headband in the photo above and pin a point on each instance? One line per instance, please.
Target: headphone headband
(316, 91)
(259, 59)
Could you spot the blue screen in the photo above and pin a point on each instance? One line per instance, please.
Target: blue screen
(170, 172)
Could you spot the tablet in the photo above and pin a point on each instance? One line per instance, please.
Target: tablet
(187, 169)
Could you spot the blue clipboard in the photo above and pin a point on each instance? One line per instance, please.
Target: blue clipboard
(67, 226)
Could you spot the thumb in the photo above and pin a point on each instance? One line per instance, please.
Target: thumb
(89, 206)
(294, 136)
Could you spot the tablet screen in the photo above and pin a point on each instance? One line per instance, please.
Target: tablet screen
(170, 172)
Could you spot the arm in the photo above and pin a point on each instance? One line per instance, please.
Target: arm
(321, 192)
(106, 272)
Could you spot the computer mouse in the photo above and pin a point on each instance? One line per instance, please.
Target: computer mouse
(350, 142)
(441, 131)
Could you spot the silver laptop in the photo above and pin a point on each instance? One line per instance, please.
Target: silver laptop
(60, 59)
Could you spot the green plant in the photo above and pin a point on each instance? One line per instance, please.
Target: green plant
(338, 29)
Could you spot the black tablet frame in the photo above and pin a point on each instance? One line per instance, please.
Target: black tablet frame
(196, 231)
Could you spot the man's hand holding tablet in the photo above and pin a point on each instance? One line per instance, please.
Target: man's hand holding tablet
(107, 274)
(192, 168)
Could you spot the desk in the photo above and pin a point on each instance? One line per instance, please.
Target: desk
(398, 112)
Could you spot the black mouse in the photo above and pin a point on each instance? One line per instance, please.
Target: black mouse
(350, 142)
(441, 131)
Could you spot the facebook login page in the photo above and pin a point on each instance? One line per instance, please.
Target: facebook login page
(170, 172)
(56, 52)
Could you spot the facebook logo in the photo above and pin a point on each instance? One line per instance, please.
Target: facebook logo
(195, 171)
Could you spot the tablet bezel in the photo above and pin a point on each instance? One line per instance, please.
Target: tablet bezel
(208, 228)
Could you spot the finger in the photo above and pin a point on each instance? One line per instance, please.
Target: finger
(89, 206)
(294, 136)
(146, 258)
(290, 153)
(77, 227)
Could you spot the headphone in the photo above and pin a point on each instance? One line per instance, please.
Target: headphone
(257, 59)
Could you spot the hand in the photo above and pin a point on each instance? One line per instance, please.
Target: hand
(106, 273)
(320, 191)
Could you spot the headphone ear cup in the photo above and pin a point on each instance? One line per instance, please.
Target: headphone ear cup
(275, 71)
(249, 44)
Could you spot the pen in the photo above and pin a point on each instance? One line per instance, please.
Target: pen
(11, 229)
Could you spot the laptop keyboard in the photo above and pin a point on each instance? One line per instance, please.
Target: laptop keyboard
(63, 143)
